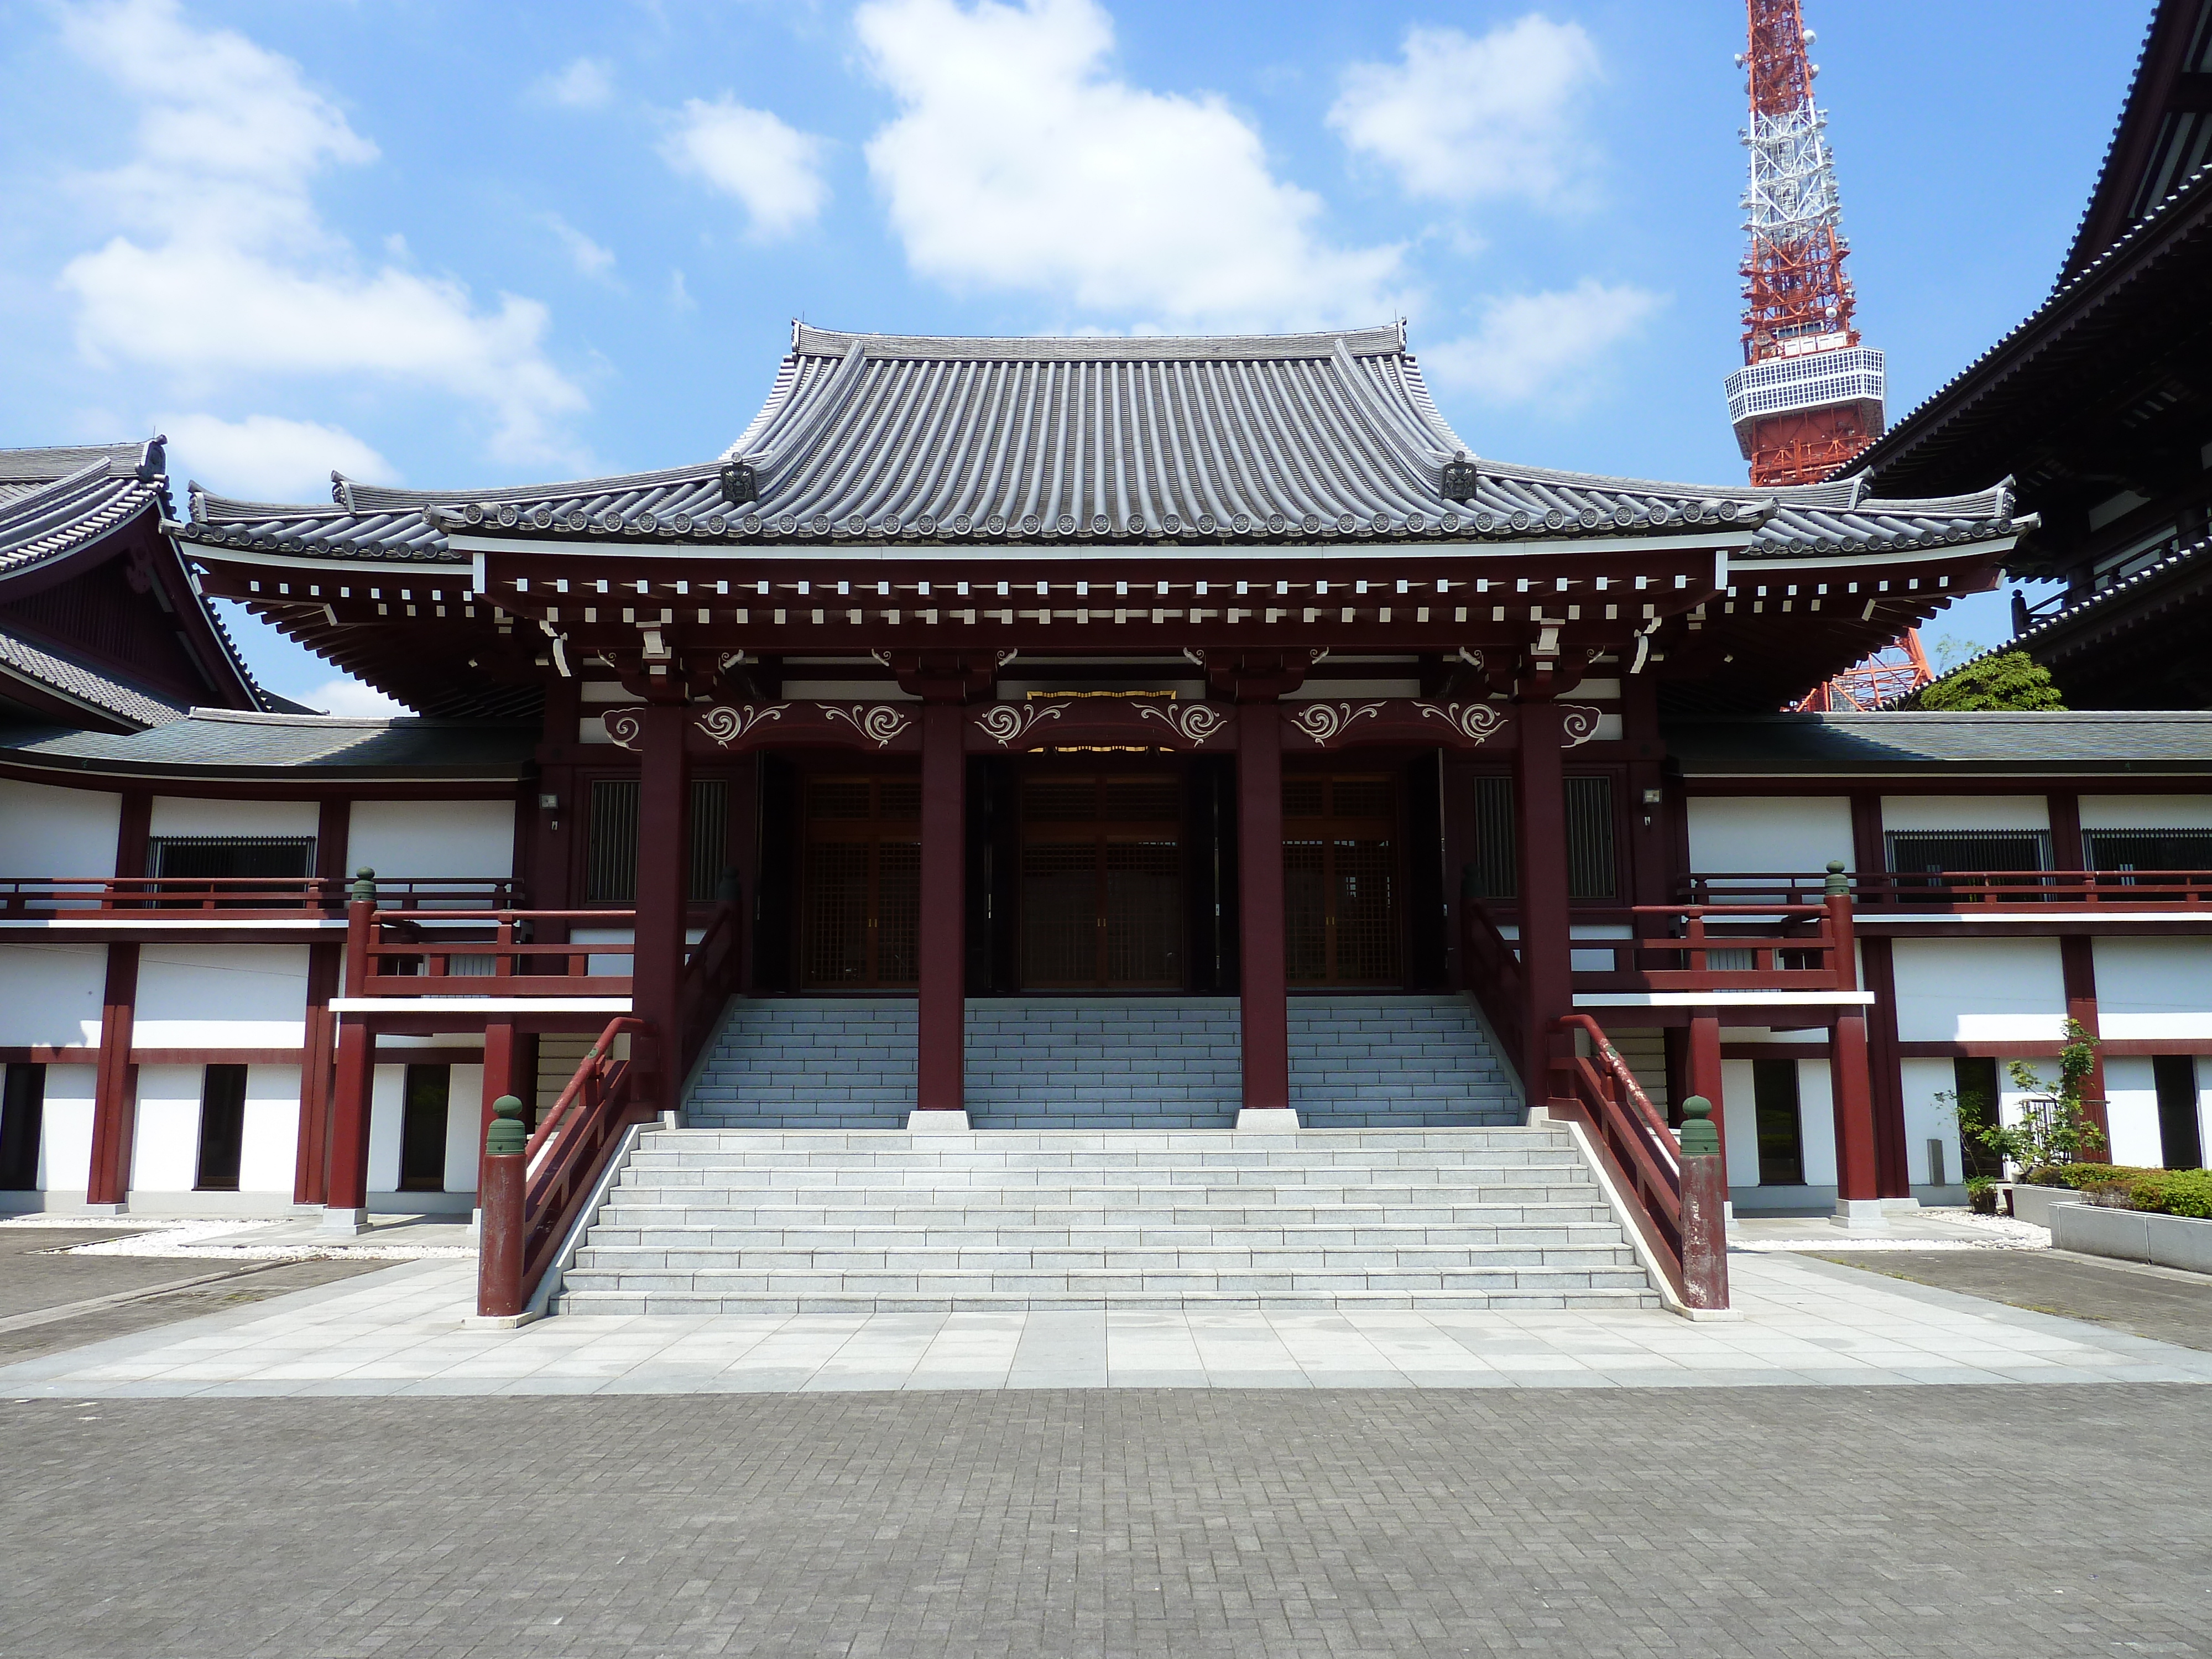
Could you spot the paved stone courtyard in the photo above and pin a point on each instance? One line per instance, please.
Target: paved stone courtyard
(1355, 1524)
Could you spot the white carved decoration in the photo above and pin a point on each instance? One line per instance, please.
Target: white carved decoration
(1194, 722)
(1578, 723)
(626, 727)
(1325, 721)
(878, 723)
(1477, 722)
(1007, 722)
(726, 725)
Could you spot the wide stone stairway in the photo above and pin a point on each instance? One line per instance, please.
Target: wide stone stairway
(1390, 1062)
(707, 1220)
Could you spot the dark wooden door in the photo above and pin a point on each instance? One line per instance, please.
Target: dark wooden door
(1102, 881)
(860, 908)
(1341, 924)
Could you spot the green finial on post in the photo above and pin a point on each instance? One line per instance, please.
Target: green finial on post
(1839, 884)
(1700, 1137)
(364, 890)
(507, 1138)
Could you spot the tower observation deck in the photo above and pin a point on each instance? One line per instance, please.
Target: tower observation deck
(1810, 396)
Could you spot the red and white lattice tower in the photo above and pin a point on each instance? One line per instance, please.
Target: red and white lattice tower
(1810, 396)
(1897, 670)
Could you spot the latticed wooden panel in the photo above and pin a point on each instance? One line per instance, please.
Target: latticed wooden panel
(860, 900)
(1102, 882)
(1341, 921)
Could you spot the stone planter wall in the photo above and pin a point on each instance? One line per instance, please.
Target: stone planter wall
(2171, 1241)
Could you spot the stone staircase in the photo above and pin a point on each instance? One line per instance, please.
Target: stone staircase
(704, 1220)
(1101, 1063)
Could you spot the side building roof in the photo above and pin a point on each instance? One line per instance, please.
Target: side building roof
(227, 743)
(1907, 744)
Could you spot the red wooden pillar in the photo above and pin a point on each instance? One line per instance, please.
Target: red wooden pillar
(664, 890)
(1858, 1175)
(318, 1052)
(345, 1190)
(941, 1001)
(1540, 827)
(1264, 997)
(2077, 964)
(115, 1086)
(1886, 1069)
(1702, 1069)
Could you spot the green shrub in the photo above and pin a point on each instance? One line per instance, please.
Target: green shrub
(2161, 1192)
(2011, 680)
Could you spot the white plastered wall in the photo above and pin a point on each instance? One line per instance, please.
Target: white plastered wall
(387, 1108)
(1965, 812)
(165, 1146)
(180, 815)
(387, 1114)
(2150, 989)
(1784, 833)
(464, 1113)
(2131, 1111)
(50, 993)
(401, 839)
(1964, 990)
(221, 996)
(2147, 812)
(50, 831)
(1927, 1117)
(269, 1154)
(65, 1130)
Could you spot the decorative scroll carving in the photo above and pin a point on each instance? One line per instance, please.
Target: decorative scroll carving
(879, 723)
(1475, 722)
(1194, 722)
(1009, 722)
(626, 727)
(1325, 722)
(1578, 723)
(725, 725)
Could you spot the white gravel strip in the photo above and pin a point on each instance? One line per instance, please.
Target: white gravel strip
(207, 1239)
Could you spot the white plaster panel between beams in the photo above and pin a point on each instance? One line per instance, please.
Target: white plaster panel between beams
(165, 1143)
(402, 839)
(49, 995)
(65, 1129)
(463, 1127)
(387, 1104)
(2131, 1111)
(269, 1148)
(2147, 812)
(1963, 990)
(221, 996)
(2152, 988)
(1792, 833)
(1941, 812)
(50, 831)
(176, 814)
(1925, 1116)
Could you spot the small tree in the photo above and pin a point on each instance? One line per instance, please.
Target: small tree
(2062, 1134)
(2011, 680)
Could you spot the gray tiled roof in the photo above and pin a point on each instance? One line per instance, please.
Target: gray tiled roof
(19, 657)
(1268, 438)
(221, 740)
(1914, 742)
(54, 500)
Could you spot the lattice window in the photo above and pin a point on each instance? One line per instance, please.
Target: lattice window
(1494, 872)
(860, 895)
(610, 844)
(220, 857)
(2148, 849)
(1102, 881)
(1340, 923)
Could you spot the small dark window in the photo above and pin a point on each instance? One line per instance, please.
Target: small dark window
(610, 852)
(422, 1129)
(2180, 1133)
(1781, 1125)
(22, 1111)
(222, 1128)
(1974, 1088)
(220, 857)
(1932, 852)
(1494, 872)
(2148, 849)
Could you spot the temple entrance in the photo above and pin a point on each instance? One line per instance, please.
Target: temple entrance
(1102, 888)
(860, 904)
(1340, 922)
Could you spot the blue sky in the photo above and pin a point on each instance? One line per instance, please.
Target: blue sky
(444, 245)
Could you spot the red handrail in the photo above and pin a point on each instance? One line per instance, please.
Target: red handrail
(1904, 889)
(1671, 1200)
(179, 898)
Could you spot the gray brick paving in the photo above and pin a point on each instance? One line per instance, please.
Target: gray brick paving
(1340, 1524)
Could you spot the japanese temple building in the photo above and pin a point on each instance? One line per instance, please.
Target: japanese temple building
(1100, 733)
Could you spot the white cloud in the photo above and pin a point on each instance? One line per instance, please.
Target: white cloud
(1459, 119)
(774, 170)
(1547, 349)
(266, 458)
(586, 255)
(586, 83)
(1017, 162)
(348, 695)
(225, 268)
(680, 293)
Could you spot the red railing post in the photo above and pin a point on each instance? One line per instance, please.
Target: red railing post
(499, 1185)
(1705, 1208)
